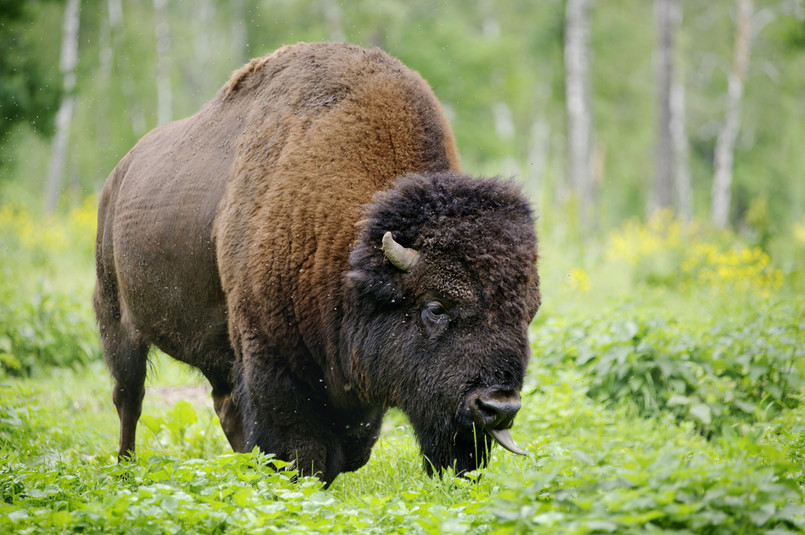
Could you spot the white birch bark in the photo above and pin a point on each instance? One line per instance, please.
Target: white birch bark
(205, 35)
(537, 159)
(725, 143)
(164, 89)
(664, 75)
(105, 51)
(504, 121)
(672, 185)
(679, 139)
(64, 117)
(490, 25)
(209, 38)
(237, 31)
(504, 127)
(578, 103)
(135, 109)
(332, 18)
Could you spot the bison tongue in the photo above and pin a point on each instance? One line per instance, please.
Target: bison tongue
(504, 438)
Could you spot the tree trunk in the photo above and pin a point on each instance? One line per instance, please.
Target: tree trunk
(237, 31)
(64, 117)
(538, 145)
(504, 128)
(332, 18)
(164, 91)
(578, 102)
(679, 139)
(537, 159)
(490, 25)
(664, 64)
(135, 109)
(725, 143)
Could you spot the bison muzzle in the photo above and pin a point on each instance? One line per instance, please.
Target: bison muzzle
(308, 241)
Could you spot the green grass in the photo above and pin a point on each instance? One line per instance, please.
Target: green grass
(655, 402)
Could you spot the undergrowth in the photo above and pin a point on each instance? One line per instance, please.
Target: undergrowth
(665, 394)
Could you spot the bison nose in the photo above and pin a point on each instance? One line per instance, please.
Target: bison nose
(495, 408)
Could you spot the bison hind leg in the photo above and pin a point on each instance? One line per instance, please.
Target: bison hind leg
(128, 396)
(127, 360)
(126, 357)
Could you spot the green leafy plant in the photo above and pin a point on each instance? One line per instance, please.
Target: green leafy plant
(49, 329)
(598, 469)
(647, 408)
(715, 375)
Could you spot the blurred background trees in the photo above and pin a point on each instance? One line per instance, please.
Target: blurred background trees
(605, 110)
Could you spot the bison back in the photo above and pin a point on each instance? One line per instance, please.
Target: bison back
(242, 215)
(329, 126)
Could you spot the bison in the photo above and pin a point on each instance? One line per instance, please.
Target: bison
(308, 241)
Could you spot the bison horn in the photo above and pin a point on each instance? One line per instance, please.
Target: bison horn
(504, 438)
(401, 257)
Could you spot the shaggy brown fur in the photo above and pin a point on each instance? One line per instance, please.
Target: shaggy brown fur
(224, 239)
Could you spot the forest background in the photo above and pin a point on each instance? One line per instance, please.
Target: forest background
(636, 113)
(660, 141)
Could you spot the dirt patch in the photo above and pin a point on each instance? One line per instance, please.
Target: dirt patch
(195, 395)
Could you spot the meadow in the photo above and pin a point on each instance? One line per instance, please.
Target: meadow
(666, 394)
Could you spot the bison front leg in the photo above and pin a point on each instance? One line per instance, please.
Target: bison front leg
(231, 420)
(226, 407)
(283, 415)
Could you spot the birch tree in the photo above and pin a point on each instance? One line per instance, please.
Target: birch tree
(164, 88)
(725, 143)
(67, 63)
(237, 31)
(679, 139)
(332, 19)
(117, 31)
(580, 132)
(672, 176)
(665, 22)
(538, 145)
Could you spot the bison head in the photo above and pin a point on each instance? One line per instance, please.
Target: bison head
(443, 286)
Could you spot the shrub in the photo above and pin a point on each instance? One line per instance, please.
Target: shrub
(600, 469)
(48, 329)
(728, 372)
(648, 490)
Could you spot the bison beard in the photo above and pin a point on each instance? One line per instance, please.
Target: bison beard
(308, 241)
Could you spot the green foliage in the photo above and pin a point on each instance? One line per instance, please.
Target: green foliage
(48, 329)
(29, 91)
(239, 493)
(714, 374)
(601, 470)
(181, 430)
(657, 400)
(650, 491)
(480, 57)
(669, 252)
(46, 315)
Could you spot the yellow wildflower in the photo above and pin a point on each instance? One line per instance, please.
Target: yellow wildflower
(579, 281)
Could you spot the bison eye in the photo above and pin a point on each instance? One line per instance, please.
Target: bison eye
(435, 308)
(434, 316)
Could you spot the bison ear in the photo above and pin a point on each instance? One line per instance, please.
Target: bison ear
(400, 257)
